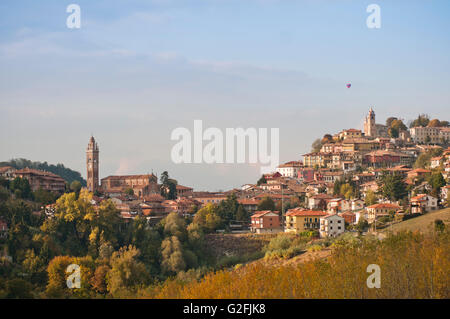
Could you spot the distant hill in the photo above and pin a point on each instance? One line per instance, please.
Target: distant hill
(58, 169)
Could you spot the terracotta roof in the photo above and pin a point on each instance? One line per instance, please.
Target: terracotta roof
(5, 168)
(420, 170)
(129, 176)
(261, 213)
(183, 187)
(385, 205)
(301, 212)
(419, 197)
(248, 201)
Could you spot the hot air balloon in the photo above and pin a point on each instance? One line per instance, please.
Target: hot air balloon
(349, 85)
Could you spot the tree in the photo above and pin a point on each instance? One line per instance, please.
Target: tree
(398, 125)
(208, 218)
(434, 123)
(393, 132)
(262, 180)
(266, 203)
(99, 280)
(18, 289)
(127, 273)
(242, 214)
(389, 121)
(327, 138)
(44, 196)
(371, 198)
(175, 226)
(422, 120)
(362, 225)
(129, 191)
(75, 186)
(168, 186)
(392, 186)
(316, 146)
(172, 255)
(346, 191)
(21, 188)
(436, 181)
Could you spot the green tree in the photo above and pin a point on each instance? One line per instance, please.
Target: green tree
(346, 191)
(168, 186)
(266, 203)
(18, 289)
(172, 255)
(127, 273)
(44, 196)
(175, 225)
(21, 187)
(262, 180)
(208, 218)
(242, 214)
(436, 181)
(316, 146)
(422, 120)
(362, 225)
(371, 198)
(75, 186)
(392, 186)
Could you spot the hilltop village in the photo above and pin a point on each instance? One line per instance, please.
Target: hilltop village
(351, 180)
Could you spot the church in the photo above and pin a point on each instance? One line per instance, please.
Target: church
(142, 185)
(372, 129)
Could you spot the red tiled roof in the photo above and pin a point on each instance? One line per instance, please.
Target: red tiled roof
(261, 213)
(300, 212)
(384, 205)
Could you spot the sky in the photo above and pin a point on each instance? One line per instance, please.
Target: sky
(136, 70)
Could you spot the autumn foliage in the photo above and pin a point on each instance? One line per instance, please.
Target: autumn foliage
(412, 266)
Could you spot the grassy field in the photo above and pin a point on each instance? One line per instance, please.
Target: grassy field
(423, 223)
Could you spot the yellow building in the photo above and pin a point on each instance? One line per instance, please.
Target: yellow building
(359, 144)
(298, 220)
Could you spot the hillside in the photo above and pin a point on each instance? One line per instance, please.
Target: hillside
(423, 223)
(340, 272)
(59, 169)
(229, 245)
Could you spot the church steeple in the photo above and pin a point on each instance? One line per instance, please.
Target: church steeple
(92, 156)
(369, 124)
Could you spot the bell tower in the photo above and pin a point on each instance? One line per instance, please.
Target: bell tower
(92, 165)
(369, 124)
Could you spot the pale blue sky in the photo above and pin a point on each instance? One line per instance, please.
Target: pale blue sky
(138, 69)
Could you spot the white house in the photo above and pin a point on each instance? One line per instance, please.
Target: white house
(290, 169)
(331, 225)
(423, 203)
(444, 193)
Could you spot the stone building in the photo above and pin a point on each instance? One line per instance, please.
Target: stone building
(371, 128)
(92, 153)
(42, 180)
